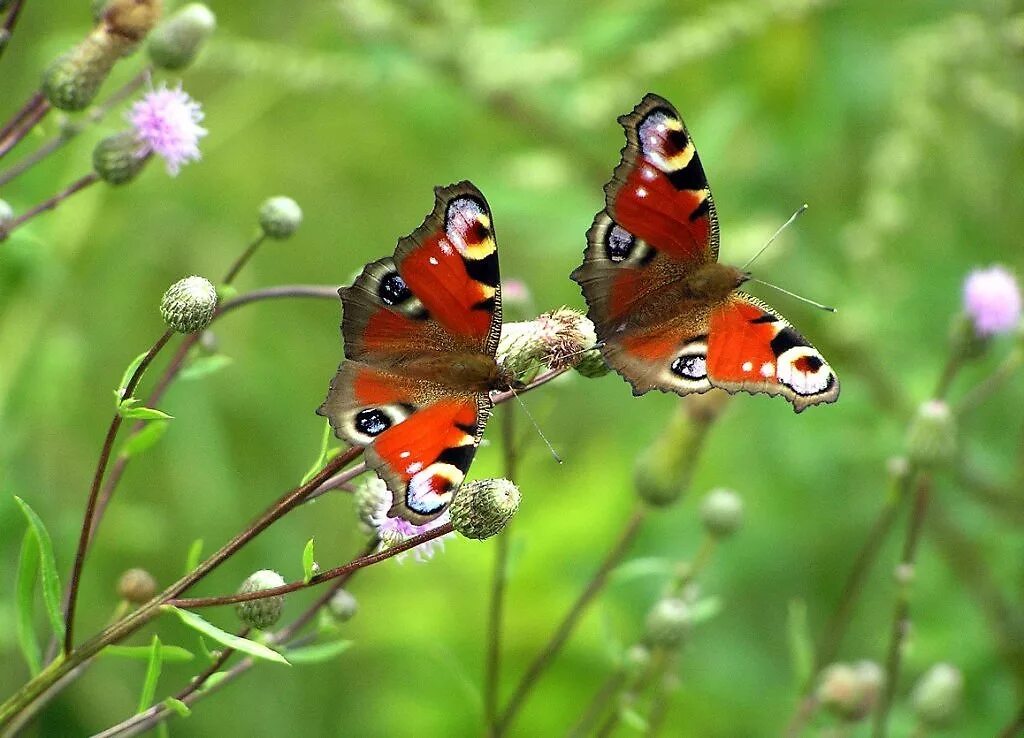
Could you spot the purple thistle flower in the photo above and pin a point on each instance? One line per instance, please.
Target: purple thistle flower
(166, 122)
(992, 300)
(374, 501)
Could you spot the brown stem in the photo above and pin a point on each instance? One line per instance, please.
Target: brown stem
(602, 698)
(901, 615)
(1016, 726)
(53, 202)
(23, 121)
(97, 480)
(569, 622)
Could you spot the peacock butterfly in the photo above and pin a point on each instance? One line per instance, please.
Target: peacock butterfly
(420, 330)
(668, 315)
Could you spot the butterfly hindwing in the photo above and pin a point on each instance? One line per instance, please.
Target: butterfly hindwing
(409, 322)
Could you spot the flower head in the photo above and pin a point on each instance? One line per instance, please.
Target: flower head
(166, 122)
(374, 501)
(992, 300)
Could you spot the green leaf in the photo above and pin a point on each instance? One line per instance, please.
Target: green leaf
(126, 377)
(643, 567)
(134, 411)
(326, 454)
(144, 439)
(153, 669)
(169, 654)
(801, 647)
(48, 568)
(244, 645)
(319, 653)
(195, 553)
(173, 703)
(28, 568)
(309, 567)
(705, 609)
(213, 680)
(203, 366)
(633, 719)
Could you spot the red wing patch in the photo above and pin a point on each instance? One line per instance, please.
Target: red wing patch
(752, 349)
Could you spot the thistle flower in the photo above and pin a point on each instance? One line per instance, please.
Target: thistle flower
(373, 501)
(992, 301)
(166, 122)
(265, 612)
(189, 304)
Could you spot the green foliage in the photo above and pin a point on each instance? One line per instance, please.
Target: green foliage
(326, 454)
(243, 645)
(318, 653)
(168, 654)
(28, 570)
(133, 409)
(153, 668)
(46, 563)
(309, 567)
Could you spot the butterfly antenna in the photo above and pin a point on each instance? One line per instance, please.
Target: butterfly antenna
(799, 211)
(793, 294)
(536, 427)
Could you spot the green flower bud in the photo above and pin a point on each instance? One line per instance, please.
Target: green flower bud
(280, 217)
(937, 695)
(931, 438)
(372, 498)
(722, 512)
(663, 471)
(116, 159)
(668, 622)
(6, 218)
(850, 691)
(73, 79)
(482, 509)
(175, 43)
(636, 659)
(265, 612)
(521, 350)
(592, 364)
(343, 605)
(189, 304)
(136, 586)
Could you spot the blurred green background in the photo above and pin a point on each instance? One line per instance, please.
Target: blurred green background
(900, 123)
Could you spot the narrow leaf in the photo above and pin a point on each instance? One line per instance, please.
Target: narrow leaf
(126, 377)
(324, 456)
(173, 703)
(142, 413)
(204, 366)
(244, 645)
(195, 553)
(643, 567)
(801, 647)
(169, 654)
(144, 439)
(633, 719)
(153, 669)
(705, 609)
(319, 653)
(48, 568)
(308, 562)
(213, 680)
(28, 569)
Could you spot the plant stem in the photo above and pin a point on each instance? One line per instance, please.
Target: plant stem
(97, 480)
(901, 614)
(50, 204)
(7, 29)
(992, 383)
(23, 121)
(547, 655)
(603, 697)
(242, 260)
(1016, 726)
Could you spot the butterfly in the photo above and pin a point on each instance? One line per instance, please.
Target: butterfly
(420, 330)
(669, 316)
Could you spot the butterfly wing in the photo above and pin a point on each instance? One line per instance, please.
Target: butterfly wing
(407, 321)
(658, 224)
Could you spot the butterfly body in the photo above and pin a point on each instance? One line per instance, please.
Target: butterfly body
(421, 329)
(669, 315)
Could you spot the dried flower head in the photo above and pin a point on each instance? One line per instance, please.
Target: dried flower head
(166, 122)
(136, 586)
(992, 300)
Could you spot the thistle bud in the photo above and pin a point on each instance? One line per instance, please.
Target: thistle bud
(136, 586)
(116, 159)
(521, 350)
(265, 612)
(937, 695)
(931, 438)
(567, 334)
(850, 691)
(722, 512)
(965, 341)
(668, 622)
(189, 304)
(343, 605)
(662, 472)
(280, 217)
(175, 43)
(482, 509)
(372, 500)
(73, 79)
(592, 364)
(6, 218)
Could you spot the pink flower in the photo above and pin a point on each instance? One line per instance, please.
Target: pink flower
(992, 300)
(373, 500)
(166, 121)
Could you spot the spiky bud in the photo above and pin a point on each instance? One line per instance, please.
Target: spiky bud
(521, 350)
(189, 304)
(592, 364)
(343, 605)
(136, 586)
(175, 43)
(372, 500)
(73, 79)
(850, 691)
(265, 612)
(567, 334)
(483, 508)
(116, 158)
(937, 695)
(668, 622)
(280, 217)
(722, 512)
(931, 438)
